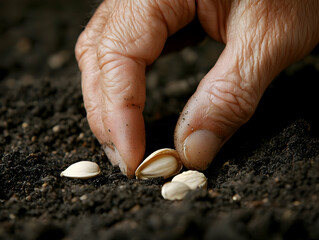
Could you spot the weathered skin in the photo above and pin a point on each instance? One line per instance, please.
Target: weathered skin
(123, 37)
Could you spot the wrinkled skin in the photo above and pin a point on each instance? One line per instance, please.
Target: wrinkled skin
(123, 37)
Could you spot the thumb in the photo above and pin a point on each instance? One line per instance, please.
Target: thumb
(225, 99)
(261, 40)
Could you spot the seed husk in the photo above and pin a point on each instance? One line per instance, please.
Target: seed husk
(174, 190)
(82, 170)
(161, 163)
(193, 179)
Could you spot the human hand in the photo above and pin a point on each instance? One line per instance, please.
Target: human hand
(123, 37)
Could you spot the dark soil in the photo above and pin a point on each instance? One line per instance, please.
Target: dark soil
(264, 184)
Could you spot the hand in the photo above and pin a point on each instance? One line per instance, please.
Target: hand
(123, 37)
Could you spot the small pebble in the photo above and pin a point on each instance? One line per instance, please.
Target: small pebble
(57, 60)
(83, 197)
(296, 203)
(56, 128)
(23, 45)
(81, 135)
(236, 197)
(212, 193)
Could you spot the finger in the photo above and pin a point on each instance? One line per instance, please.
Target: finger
(224, 101)
(123, 93)
(115, 116)
(114, 81)
(256, 51)
(113, 88)
(85, 52)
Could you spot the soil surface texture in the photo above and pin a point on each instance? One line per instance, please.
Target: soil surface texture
(264, 183)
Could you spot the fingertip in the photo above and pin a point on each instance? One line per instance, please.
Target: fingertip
(196, 143)
(116, 159)
(222, 103)
(126, 146)
(199, 149)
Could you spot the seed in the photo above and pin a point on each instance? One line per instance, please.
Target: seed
(82, 170)
(161, 163)
(174, 190)
(193, 179)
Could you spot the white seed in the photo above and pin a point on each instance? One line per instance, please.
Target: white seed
(174, 190)
(193, 179)
(161, 163)
(82, 170)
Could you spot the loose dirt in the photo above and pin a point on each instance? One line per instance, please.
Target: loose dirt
(264, 184)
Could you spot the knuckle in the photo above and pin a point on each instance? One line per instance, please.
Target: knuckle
(78, 50)
(235, 103)
(81, 47)
(135, 31)
(118, 83)
(175, 13)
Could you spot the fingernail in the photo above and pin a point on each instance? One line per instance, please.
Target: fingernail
(200, 148)
(115, 158)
